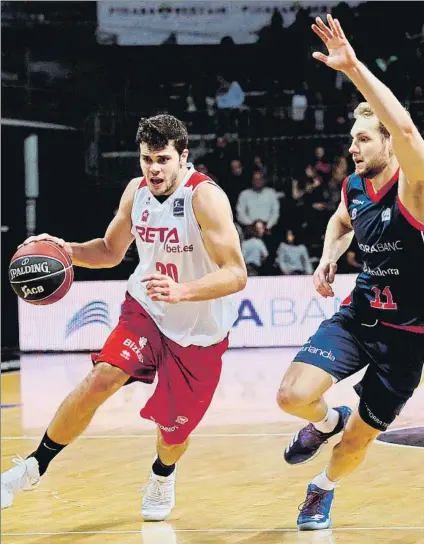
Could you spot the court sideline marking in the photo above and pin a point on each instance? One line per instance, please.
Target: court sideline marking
(195, 435)
(232, 530)
(224, 435)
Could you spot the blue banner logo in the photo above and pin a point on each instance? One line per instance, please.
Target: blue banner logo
(93, 312)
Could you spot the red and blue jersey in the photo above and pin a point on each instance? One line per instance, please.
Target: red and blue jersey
(390, 287)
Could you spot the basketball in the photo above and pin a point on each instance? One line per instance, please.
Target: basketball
(41, 272)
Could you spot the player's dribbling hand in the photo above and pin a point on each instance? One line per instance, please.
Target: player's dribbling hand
(59, 241)
(341, 55)
(323, 276)
(163, 288)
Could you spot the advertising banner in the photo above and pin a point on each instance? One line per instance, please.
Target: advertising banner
(273, 311)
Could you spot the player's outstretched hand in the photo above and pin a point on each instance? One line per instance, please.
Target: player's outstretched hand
(323, 276)
(163, 288)
(341, 55)
(59, 241)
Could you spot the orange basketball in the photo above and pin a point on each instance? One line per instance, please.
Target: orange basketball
(41, 272)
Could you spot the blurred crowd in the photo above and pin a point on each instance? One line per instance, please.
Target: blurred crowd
(281, 225)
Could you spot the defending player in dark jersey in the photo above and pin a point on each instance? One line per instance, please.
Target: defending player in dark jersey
(391, 241)
(381, 324)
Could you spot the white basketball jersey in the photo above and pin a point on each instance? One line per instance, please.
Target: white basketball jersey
(169, 241)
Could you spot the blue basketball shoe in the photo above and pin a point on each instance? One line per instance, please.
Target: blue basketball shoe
(315, 512)
(307, 443)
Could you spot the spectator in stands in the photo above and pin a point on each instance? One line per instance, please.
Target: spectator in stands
(340, 169)
(332, 192)
(292, 258)
(304, 186)
(203, 169)
(317, 201)
(259, 164)
(229, 99)
(235, 182)
(259, 202)
(308, 195)
(253, 248)
(322, 164)
(218, 160)
(229, 94)
(300, 107)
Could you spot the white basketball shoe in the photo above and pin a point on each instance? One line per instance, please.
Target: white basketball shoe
(159, 497)
(23, 477)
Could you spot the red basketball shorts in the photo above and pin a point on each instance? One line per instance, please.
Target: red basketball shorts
(187, 376)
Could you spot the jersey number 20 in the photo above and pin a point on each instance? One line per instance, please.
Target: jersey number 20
(169, 269)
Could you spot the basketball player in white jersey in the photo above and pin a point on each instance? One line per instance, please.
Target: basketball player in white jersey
(176, 316)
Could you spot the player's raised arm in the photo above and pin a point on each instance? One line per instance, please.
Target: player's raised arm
(221, 239)
(408, 145)
(109, 251)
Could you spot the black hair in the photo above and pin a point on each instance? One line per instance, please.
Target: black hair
(252, 230)
(158, 130)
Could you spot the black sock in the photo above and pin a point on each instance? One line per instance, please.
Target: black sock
(46, 451)
(162, 470)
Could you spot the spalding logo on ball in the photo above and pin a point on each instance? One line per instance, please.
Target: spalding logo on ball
(41, 272)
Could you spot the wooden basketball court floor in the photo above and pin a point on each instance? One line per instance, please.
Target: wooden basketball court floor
(232, 485)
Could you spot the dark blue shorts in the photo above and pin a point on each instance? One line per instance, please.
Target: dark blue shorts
(344, 345)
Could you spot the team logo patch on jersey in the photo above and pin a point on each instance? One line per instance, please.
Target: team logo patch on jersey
(178, 210)
(145, 216)
(385, 214)
(354, 213)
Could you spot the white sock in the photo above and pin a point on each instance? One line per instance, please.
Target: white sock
(323, 482)
(329, 422)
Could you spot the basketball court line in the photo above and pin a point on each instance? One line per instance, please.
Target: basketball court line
(230, 530)
(195, 435)
(397, 445)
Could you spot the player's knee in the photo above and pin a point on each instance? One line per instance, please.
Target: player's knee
(302, 385)
(105, 379)
(293, 394)
(171, 444)
(170, 441)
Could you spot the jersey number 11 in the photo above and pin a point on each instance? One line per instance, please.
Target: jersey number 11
(388, 305)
